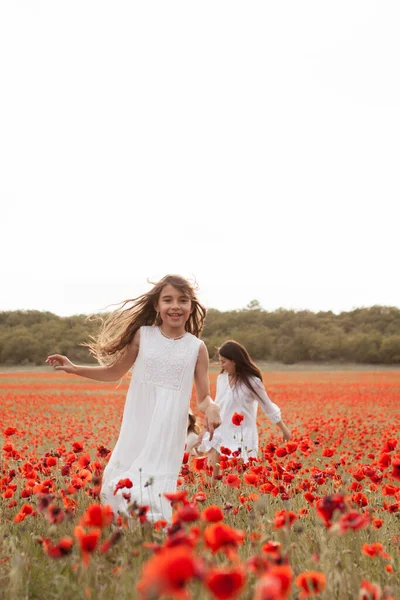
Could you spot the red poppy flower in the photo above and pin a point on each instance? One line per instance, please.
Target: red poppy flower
(391, 508)
(199, 497)
(389, 569)
(271, 548)
(359, 474)
(220, 536)
(188, 513)
(390, 445)
(270, 448)
(355, 486)
(102, 451)
(377, 523)
(369, 591)
(55, 514)
(311, 583)
(384, 460)
(389, 490)
(63, 547)
(327, 505)
(288, 478)
(160, 524)
(87, 541)
(328, 452)
(123, 483)
(396, 467)
(375, 549)
(25, 510)
(251, 478)
(266, 488)
(237, 418)
(291, 447)
(97, 515)
(284, 518)
(352, 520)
(360, 499)
(232, 480)
(200, 464)
(212, 514)
(281, 452)
(275, 584)
(224, 582)
(175, 497)
(10, 431)
(309, 497)
(167, 573)
(84, 460)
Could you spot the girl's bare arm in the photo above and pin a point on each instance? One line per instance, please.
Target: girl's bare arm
(285, 430)
(99, 373)
(204, 402)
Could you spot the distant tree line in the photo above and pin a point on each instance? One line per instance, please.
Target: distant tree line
(363, 335)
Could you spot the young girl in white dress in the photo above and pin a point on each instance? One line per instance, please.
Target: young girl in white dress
(240, 389)
(157, 333)
(193, 438)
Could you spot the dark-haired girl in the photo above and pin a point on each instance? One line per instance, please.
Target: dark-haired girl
(240, 390)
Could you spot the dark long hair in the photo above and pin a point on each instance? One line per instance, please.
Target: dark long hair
(119, 328)
(245, 368)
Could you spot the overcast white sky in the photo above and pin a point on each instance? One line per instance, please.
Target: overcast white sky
(253, 145)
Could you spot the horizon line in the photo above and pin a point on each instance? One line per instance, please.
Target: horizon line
(242, 309)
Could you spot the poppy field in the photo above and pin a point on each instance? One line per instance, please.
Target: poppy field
(317, 516)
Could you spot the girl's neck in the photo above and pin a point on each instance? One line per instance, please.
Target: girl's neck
(173, 333)
(232, 378)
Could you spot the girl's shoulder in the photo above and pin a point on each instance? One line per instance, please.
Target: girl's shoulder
(147, 328)
(222, 383)
(195, 338)
(196, 344)
(256, 381)
(143, 332)
(255, 384)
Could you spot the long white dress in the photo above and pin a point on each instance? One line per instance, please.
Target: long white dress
(241, 400)
(151, 442)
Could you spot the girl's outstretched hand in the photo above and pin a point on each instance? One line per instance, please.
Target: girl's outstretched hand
(62, 363)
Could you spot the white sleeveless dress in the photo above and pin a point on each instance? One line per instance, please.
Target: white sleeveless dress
(151, 442)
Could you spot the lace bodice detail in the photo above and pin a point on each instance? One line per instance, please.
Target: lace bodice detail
(165, 359)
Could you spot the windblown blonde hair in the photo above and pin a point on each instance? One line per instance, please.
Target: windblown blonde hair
(118, 328)
(192, 424)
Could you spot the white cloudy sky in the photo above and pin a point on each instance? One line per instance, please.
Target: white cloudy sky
(253, 145)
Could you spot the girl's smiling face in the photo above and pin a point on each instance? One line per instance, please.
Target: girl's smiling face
(174, 307)
(227, 365)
